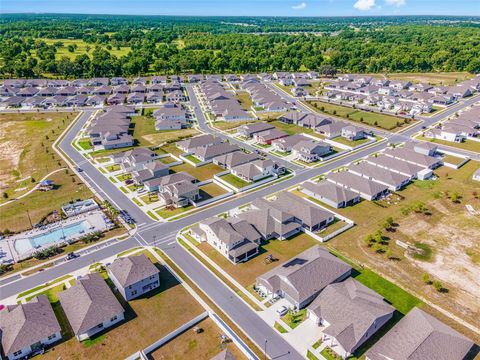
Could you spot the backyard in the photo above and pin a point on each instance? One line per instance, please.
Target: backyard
(427, 215)
(211, 190)
(170, 303)
(383, 121)
(469, 145)
(281, 250)
(235, 181)
(201, 173)
(26, 154)
(192, 345)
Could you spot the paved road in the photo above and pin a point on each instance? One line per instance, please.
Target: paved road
(163, 236)
(202, 123)
(94, 178)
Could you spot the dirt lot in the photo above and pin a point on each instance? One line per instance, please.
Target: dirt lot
(25, 149)
(446, 229)
(190, 345)
(148, 318)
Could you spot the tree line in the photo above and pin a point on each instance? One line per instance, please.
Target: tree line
(214, 46)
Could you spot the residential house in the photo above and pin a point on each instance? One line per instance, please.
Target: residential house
(331, 194)
(177, 194)
(419, 335)
(287, 143)
(266, 137)
(393, 180)
(233, 159)
(311, 150)
(396, 165)
(149, 171)
(251, 129)
(90, 306)
(302, 278)
(207, 153)
(368, 189)
(350, 313)
(353, 133)
(331, 130)
(191, 144)
(158, 184)
(134, 275)
(135, 159)
(28, 328)
(255, 170)
(234, 238)
(413, 157)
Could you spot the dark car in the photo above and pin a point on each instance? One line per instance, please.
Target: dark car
(71, 256)
(79, 169)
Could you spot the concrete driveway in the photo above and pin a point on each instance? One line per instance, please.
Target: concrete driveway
(270, 315)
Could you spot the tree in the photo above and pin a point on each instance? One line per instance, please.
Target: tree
(455, 197)
(5, 195)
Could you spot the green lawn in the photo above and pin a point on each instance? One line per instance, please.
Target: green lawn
(201, 173)
(166, 213)
(51, 293)
(280, 328)
(466, 145)
(143, 126)
(293, 320)
(350, 143)
(85, 144)
(193, 159)
(235, 181)
(383, 121)
(81, 48)
(245, 99)
(329, 354)
(211, 190)
(38, 288)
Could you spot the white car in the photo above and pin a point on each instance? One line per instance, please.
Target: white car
(141, 190)
(282, 310)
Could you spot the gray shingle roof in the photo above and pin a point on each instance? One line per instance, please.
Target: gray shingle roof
(89, 303)
(420, 336)
(25, 324)
(224, 355)
(306, 274)
(132, 269)
(351, 309)
(330, 191)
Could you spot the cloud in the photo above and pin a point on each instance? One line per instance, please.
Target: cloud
(364, 4)
(300, 6)
(396, 2)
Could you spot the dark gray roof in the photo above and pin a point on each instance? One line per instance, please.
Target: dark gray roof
(132, 269)
(25, 324)
(89, 303)
(306, 274)
(351, 309)
(420, 336)
(357, 183)
(224, 355)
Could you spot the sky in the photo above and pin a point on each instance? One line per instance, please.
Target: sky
(246, 7)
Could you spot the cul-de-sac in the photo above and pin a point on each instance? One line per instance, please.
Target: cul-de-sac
(240, 180)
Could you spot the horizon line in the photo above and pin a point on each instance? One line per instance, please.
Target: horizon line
(239, 16)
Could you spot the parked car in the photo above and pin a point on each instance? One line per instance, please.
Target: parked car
(128, 182)
(79, 169)
(141, 190)
(71, 256)
(282, 310)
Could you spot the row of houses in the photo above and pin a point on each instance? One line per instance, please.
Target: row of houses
(71, 95)
(375, 177)
(264, 99)
(110, 129)
(350, 313)
(239, 237)
(176, 189)
(171, 116)
(324, 125)
(89, 306)
(397, 96)
(223, 103)
(465, 126)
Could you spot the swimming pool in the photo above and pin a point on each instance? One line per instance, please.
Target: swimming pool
(53, 236)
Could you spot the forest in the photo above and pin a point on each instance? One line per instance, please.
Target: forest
(74, 46)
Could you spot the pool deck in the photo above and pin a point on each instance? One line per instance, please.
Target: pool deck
(97, 220)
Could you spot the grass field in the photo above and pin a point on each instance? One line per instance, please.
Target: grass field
(201, 173)
(383, 121)
(228, 125)
(292, 129)
(434, 78)
(81, 48)
(350, 143)
(466, 145)
(210, 191)
(190, 345)
(167, 213)
(140, 328)
(447, 230)
(245, 99)
(26, 149)
(39, 204)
